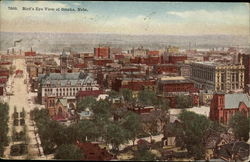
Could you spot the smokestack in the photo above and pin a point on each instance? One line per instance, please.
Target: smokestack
(31, 49)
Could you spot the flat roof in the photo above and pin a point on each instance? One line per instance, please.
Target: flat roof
(209, 63)
(173, 78)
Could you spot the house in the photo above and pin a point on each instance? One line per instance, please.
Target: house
(86, 114)
(92, 151)
(214, 139)
(169, 137)
(143, 144)
(235, 151)
(224, 106)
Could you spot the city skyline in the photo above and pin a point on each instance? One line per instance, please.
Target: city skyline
(145, 18)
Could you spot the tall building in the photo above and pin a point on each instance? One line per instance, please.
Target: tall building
(245, 60)
(102, 52)
(218, 77)
(63, 62)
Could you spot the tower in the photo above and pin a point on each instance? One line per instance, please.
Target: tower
(63, 62)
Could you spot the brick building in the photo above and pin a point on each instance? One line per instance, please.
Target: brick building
(166, 69)
(30, 53)
(151, 60)
(153, 53)
(175, 84)
(174, 58)
(102, 61)
(135, 84)
(245, 60)
(224, 106)
(170, 87)
(92, 151)
(82, 94)
(102, 52)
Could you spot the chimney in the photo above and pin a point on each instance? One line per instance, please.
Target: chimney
(31, 49)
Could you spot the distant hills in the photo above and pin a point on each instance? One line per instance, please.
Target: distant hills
(85, 42)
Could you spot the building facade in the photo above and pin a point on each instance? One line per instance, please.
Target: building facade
(64, 85)
(218, 77)
(224, 106)
(245, 60)
(102, 52)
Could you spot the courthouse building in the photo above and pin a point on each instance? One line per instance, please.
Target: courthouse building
(218, 77)
(64, 85)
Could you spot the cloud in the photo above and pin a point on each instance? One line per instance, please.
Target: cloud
(219, 17)
(189, 22)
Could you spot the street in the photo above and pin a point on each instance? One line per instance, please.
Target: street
(20, 100)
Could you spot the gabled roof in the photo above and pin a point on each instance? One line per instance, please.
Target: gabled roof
(233, 100)
(92, 151)
(63, 101)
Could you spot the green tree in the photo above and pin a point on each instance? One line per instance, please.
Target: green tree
(183, 101)
(87, 102)
(150, 124)
(4, 117)
(45, 129)
(116, 136)
(144, 155)
(127, 95)
(194, 127)
(102, 110)
(113, 94)
(69, 152)
(240, 125)
(132, 125)
(89, 129)
(147, 97)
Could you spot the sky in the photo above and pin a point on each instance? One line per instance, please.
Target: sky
(164, 18)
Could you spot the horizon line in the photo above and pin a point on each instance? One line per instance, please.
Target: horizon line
(106, 33)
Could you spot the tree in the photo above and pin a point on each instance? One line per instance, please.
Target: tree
(4, 113)
(183, 101)
(89, 129)
(132, 125)
(240, 124)
(162, 104)
(127, 95)
(102, 110)
(87, 102)
(113, 94)
(69, 152)
(116, 136)
(194, 127)
(150, 124)
(144, 155)
(147, 97)
(46, 130)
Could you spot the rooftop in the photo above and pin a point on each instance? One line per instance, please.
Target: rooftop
(233, 100)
